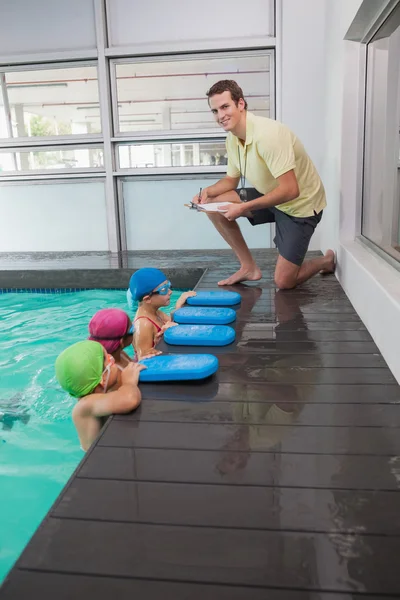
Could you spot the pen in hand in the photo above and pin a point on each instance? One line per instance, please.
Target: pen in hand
(201, 189)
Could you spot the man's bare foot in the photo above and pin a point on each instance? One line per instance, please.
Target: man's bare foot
(243, 274)
(330, 257)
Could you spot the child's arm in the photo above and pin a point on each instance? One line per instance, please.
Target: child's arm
(181, 301)
(183, 297)
(123, 400)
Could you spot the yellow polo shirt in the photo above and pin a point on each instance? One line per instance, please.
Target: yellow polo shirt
(271, 150)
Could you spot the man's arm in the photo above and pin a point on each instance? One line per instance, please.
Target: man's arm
(287, 189)
(226, 184)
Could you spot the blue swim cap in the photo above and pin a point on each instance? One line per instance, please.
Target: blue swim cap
(144, 281)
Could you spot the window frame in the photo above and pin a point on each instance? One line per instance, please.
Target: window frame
(26, 140)
(388, 252)
(198, 169)
(178, 57)
(49, 148)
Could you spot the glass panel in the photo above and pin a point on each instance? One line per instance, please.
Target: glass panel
(53, 217)
(54, 102)
(172, 95)
(57, 158)
(46, 26)
(154, 24)
(184, 154)
(381, 193)
(156, 218)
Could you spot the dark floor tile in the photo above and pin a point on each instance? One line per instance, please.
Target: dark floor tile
(325, 288)
(211, 389)
(270, 412)
(242, 557)
(48, 586)
(203, 391)
(284, 509)
(272, 317)
(298, 325)
(269, 346)
(237, 465)
(260, 438)
(300, 354)
(302, 307)
(303, 325)
(283, 333)
(313, 318)
(311, 376)
(264, 333)
(277, 361)
(320, 336)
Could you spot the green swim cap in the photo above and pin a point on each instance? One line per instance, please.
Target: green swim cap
(79, 368)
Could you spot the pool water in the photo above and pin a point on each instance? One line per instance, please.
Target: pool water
(39, 448)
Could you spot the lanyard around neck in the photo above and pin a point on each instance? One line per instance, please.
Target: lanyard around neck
(242, 174)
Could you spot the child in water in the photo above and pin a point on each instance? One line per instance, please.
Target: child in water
(152, 290)
(113, 329)
(87, 372)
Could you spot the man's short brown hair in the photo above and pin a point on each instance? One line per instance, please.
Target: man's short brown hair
(227, 85)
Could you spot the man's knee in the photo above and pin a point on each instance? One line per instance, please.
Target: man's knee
(213, 216)
(285, 282)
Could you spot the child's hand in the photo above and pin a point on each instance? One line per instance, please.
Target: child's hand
(130, 375)
(168, 325)
(182, 299)
(159, 334)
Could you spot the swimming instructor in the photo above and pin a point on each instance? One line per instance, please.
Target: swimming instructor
(287, 190)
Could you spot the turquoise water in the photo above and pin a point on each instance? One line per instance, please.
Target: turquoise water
(39, 447)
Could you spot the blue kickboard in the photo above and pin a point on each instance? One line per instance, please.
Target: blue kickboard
(214, 298)
(178, 367)
(204, 315)
(199, 335)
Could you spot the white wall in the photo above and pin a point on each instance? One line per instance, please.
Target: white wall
(338, 19)
(303, 69)
(372, 285)
(46, 217)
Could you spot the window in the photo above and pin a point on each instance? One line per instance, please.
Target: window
(182, 154)
(49, 102)
(381, 188)
(155, 26)
(58, 158)
(170, 95)
(46, 26)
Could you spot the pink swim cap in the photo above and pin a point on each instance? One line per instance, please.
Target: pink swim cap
(108, 326)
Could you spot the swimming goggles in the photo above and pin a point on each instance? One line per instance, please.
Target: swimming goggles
(162, 289)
